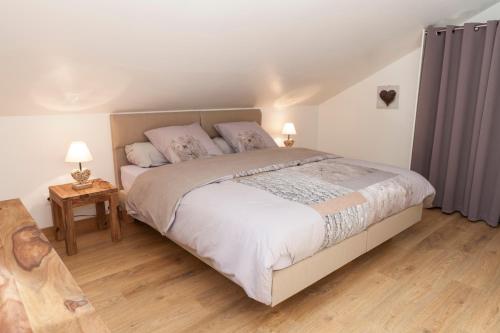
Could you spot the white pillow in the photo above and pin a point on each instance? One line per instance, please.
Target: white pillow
(144, 154)
(182, 143)
(245, 135)
(223, 145)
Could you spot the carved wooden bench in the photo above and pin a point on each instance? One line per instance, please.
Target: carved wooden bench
(37, 292)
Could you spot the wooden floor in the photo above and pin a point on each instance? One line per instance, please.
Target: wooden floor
(443, 274)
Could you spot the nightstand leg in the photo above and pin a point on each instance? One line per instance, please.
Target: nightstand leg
(70, 228)
(100, 215)
(116, 233)
(61, 229)
(57, 219)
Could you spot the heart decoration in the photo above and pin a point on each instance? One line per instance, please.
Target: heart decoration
(81, 176)
(387, 96)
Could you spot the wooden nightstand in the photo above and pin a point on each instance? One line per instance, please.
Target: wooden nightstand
(64, 198)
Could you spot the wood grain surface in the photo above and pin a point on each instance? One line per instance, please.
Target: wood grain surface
(441, 275)
(66, 191)
(37, 291)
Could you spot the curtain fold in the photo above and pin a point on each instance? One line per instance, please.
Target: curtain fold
(457, 128)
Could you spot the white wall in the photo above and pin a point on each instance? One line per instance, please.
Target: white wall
(33, 148)
(305, 119)
(350, 124)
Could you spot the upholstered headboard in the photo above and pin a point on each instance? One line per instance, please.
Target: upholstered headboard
(127, 128)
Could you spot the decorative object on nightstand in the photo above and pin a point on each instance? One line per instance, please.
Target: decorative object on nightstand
(64, 198)
(78, 152)
(289, 129)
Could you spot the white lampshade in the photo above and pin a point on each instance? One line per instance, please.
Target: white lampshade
(289, 129)
(78, 152)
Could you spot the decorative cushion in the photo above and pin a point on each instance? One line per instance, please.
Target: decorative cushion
(144, 154)
(223, 145)
(244, 136)
(182, 143)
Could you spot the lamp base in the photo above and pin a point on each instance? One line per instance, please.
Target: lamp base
(289, 142)
(82, 178)
(82, 186)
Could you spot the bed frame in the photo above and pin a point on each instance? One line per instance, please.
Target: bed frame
(127, 128)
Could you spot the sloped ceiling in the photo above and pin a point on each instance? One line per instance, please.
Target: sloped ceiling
(114, 55)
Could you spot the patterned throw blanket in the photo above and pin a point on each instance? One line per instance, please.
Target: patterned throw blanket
(348, 197)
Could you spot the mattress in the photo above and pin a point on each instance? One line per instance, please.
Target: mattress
(129, 173)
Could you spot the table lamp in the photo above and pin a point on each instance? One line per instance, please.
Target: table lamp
(78, 152)
(289, 129)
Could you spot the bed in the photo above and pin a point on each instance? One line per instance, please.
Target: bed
(264, 239)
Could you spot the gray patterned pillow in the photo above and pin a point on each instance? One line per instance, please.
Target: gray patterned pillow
(182, 143)
(244, 136)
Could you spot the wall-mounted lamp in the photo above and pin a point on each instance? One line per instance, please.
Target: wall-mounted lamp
(289, 129)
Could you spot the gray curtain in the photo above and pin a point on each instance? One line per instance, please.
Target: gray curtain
(457, 130)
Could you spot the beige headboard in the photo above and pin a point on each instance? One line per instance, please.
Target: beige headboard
(127, 128)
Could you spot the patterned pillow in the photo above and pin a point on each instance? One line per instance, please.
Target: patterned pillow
(182, 143)
(244, 136)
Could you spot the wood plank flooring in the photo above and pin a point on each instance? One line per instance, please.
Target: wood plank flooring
(441, 275)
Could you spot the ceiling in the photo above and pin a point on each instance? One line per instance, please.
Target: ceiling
(90, 56)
